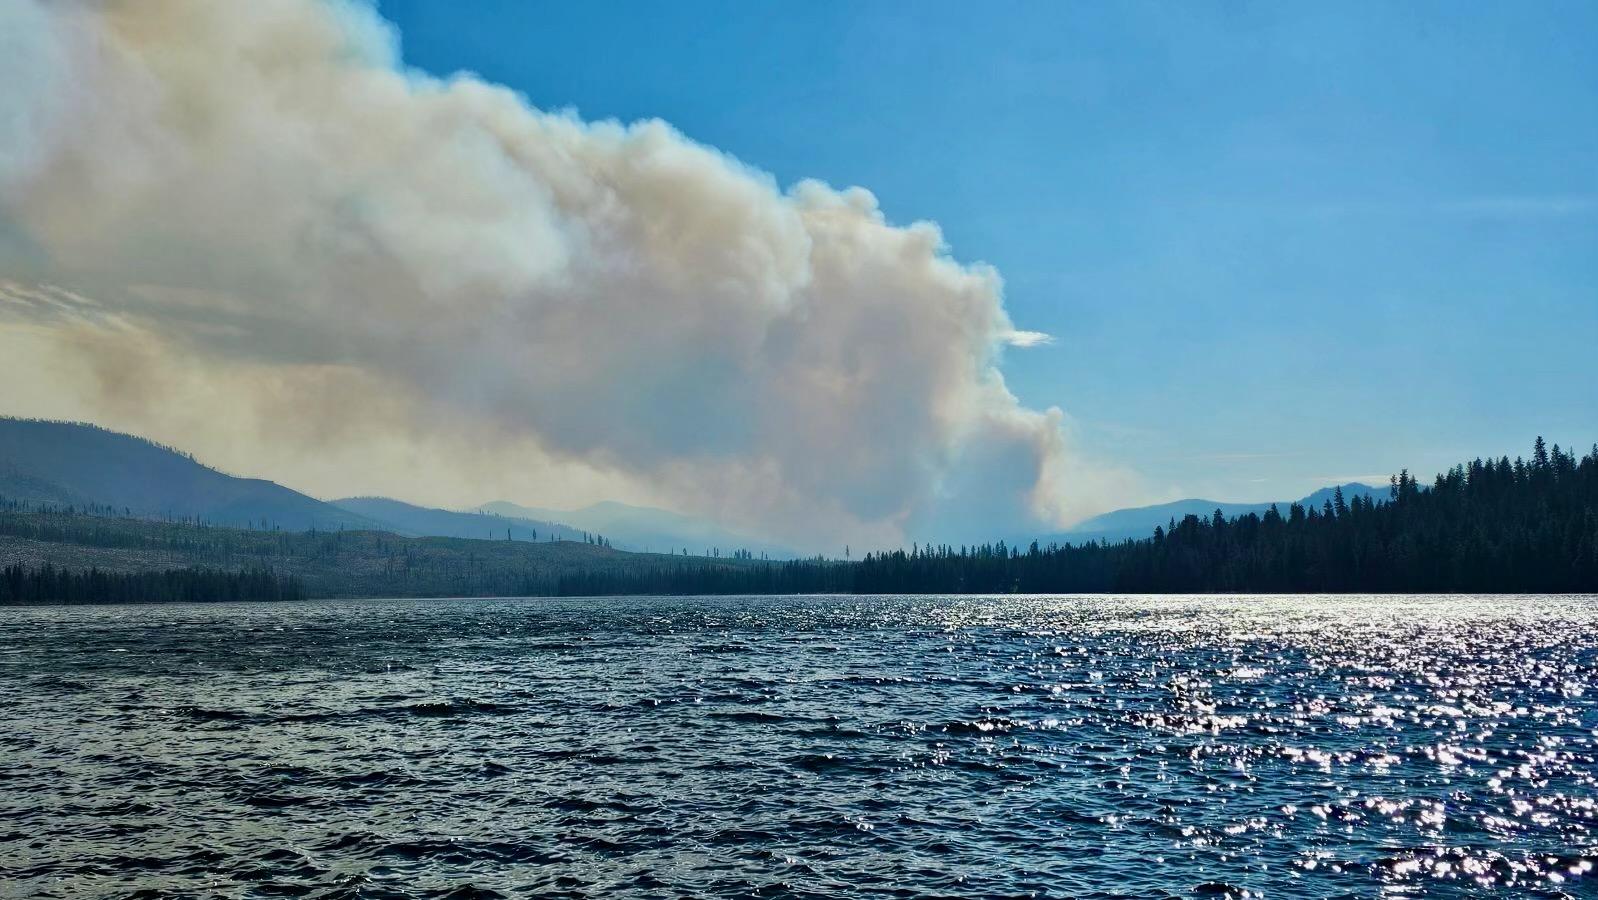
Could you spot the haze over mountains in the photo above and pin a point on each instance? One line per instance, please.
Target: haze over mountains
(82, 465)
(73, 464)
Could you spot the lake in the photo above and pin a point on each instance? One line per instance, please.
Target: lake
(802, 747)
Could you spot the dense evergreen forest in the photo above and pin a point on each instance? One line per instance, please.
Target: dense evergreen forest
(48, 584)
(1483, 527)
(1487, 526)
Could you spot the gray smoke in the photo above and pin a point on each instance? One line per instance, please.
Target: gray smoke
(246, 229)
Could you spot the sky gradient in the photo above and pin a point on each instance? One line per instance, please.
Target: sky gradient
(1278, 245)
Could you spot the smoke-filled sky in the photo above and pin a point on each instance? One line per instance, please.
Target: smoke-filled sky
(1248, 249)
(247, 229)
(1278, 244)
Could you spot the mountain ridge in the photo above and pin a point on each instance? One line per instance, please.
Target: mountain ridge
(80, 464)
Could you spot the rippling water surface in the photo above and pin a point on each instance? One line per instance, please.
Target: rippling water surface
(1304, 747)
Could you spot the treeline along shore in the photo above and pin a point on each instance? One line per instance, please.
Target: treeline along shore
(1487, 526)
(48, 584)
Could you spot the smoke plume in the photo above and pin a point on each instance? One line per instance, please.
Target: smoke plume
(247, 229)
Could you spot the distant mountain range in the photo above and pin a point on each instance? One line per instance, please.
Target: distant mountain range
(72, 464)
(1139, 522)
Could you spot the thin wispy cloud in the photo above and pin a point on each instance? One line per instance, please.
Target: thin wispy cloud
(1028, 339)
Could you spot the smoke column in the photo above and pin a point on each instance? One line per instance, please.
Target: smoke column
(247, 229)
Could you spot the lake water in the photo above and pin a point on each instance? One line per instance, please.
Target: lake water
(805, 747)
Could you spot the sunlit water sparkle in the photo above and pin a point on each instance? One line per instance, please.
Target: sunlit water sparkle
(805, 747)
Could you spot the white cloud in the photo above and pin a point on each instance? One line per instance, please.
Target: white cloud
(1028, 338)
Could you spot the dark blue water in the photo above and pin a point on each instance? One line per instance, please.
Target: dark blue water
(807, 747)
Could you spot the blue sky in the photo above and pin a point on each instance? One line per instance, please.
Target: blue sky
(1278, 244)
